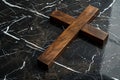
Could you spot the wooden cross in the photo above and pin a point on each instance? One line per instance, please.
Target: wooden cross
(75, 25)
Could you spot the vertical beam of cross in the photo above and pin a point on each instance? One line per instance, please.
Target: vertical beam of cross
(56, 48)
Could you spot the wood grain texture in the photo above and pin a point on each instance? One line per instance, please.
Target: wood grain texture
(88, 30)
(56, 48)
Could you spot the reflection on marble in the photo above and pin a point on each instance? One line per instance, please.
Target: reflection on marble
(25, 32)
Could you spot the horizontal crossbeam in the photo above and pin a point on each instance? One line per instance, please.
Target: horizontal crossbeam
(88, 30)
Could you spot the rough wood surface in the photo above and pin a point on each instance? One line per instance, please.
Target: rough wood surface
(56, 48)
(88, 30)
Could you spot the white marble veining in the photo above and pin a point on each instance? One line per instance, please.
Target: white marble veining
(91, 63)
(30, 10)
(66, 67)
(107, 8)
(23, 65)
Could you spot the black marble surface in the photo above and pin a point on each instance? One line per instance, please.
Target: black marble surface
(25, 32)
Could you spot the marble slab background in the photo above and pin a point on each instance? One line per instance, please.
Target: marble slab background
(25, 32)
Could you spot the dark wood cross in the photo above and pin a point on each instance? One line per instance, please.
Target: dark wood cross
(75, 25)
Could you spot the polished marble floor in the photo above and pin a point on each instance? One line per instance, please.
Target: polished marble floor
(26, 31)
